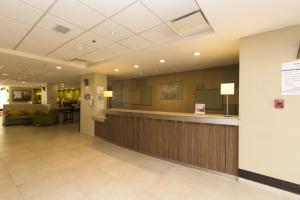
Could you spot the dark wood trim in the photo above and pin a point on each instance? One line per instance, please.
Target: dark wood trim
(270, 181)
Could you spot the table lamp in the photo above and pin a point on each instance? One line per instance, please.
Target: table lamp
(108, 94)
(227, 89)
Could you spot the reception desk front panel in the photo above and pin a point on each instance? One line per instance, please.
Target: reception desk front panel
(207, 145)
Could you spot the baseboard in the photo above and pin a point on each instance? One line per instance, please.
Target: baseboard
(270, 181)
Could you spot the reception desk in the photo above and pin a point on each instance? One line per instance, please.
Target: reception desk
(207, 141)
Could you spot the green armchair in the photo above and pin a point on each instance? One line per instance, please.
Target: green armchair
(44, 119)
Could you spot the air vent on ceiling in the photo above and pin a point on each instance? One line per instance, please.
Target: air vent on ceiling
(80, 61)
(190, 24)
(61, 29)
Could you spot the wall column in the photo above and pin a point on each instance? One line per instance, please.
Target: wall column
(49, 94)
(92, 101)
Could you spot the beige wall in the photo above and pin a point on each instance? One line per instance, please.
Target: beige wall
(211, 78)
(88, 109)
(269, 138)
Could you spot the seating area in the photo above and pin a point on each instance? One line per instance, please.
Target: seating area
(28, 114)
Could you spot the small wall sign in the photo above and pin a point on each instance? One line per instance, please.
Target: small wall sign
(279, 103)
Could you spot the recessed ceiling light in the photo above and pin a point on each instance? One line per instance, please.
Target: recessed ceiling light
(80, 47)
(162, 61)
(136, 66)
(197, 53)
(23, 82)
(4, 74)
(112, 32)
(58, 67)
(116, 70)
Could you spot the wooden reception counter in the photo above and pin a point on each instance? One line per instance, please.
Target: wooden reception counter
(208, 141)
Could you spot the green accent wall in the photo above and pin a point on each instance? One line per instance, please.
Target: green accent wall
(69, 94)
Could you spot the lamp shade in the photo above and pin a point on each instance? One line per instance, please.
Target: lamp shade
(108, 93)
(227, 89)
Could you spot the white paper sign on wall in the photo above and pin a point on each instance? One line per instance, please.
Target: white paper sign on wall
(290, 78)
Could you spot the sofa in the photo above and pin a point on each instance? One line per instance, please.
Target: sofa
(22, 114)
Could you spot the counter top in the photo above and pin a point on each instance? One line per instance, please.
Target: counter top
(188, 117)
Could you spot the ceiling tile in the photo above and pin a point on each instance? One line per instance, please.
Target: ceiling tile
(80, 14)
(112, 31)
(171, 9)
(11, 32)
(19, 11)
(136, 42)
(65, 54)
(137, 18)
(71, 51)
(160, 34)
(106, 53)
(50, 22)
(41, 42)
(88, 37)
(41, 4)
(107, 8)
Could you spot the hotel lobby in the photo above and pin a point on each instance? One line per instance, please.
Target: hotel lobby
(149, 100)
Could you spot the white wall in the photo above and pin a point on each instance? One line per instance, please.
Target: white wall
(87, 111)
(49, 95)
(269, 138)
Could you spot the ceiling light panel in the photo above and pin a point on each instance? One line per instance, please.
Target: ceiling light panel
(81, 15)
(137, 18)
(107, 8)
(160, 34)
(41, 42)
(106, 29)
(50, 22)
(41, 4)
(136, 42)
(11, 32)
(93, 40)
(171, 9)
(20, 11)
(106, 53)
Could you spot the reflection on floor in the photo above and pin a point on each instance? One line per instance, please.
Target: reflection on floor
(58, 163)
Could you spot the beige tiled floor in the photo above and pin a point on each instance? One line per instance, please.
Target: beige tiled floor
(57, 163)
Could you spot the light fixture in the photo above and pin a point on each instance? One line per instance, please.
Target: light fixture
(136, 66)
(112, 32)
(62, 86)
(108, 94)
(23, 82)
(162, 61)
(80, 47)
(58, 67)
(116, 70)
(197, 53)
(4, 74)
(227, 89)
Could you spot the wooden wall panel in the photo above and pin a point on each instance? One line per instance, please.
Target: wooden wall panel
(101, 129)
(232, 145)
(210, 146)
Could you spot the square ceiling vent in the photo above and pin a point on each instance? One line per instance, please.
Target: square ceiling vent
(61, 29)
(190, 24)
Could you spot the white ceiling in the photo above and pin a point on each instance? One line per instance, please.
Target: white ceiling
(129, 32)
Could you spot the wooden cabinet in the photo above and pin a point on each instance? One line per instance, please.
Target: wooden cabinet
(209, 146)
